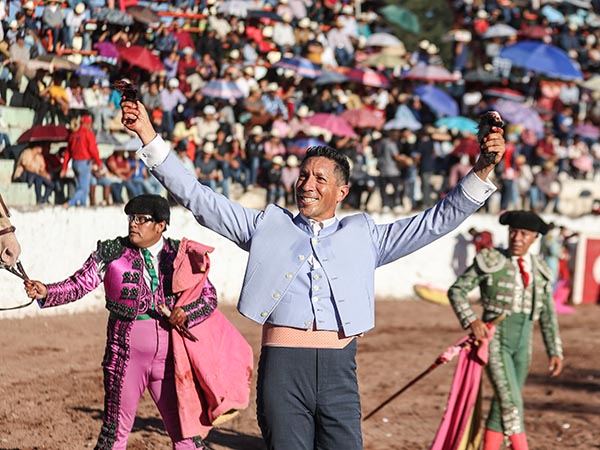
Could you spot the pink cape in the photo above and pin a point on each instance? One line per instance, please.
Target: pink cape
(460, 424)
(213, 374)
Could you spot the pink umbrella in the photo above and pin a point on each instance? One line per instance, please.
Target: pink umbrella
(332, 123)
(363, 118)
(368, 77)
(429, 73)
(142, 57)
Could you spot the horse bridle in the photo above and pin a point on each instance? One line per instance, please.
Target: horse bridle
(18, 269)
(4, 211)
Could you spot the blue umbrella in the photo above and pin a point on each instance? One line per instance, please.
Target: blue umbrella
(330, 77)
(222, 89)
(542, 58)
(459, 123)
(91, 71)
(438, 100)
(301, 66)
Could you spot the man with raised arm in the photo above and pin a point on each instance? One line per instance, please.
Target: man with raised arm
(310, 280)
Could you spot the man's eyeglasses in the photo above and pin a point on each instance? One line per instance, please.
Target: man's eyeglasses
(140, 220)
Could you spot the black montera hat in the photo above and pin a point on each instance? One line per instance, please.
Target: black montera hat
(153, 205)
(525, 220)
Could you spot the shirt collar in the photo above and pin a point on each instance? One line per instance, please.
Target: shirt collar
(156, 248)
(318, 226)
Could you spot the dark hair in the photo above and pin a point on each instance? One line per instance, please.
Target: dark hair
(342, 165)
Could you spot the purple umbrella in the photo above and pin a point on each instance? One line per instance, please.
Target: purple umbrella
(588, 131)
(519, 114)
(438, 100)
(106, 49)
(298, 146)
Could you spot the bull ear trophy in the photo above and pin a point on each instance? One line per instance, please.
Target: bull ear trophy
(17, 268)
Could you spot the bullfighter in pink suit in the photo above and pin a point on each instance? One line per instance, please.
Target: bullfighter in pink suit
(137, 272)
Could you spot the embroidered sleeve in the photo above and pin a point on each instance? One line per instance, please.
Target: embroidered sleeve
(458, 295)
(549, 326)
(75, 287)
(199, 310)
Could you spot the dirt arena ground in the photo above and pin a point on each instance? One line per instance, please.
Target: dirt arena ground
(51, 383)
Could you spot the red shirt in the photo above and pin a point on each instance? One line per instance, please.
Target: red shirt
(82, 146)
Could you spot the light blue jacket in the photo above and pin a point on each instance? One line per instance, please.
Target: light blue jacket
(279, 244)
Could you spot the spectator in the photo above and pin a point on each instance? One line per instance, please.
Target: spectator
(207, 124)
(171, 97)
(255, 150)
(289, 175)
(118, 165)
(275, 188)
(273, 105)
(207, 167)
(31, 168)
(390, 181)
(341, 43)
(75, 26)
(96, 98)
(53, 19)
(545, 188)
(83, 150)
(19, 57)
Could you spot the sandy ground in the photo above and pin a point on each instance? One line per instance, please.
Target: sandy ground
(51, 383)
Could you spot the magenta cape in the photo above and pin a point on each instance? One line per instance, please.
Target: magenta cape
(460, 423)
(212, 375)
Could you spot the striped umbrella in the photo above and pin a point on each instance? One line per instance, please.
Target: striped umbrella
(223, 89)
(368, 77)
(301, 66)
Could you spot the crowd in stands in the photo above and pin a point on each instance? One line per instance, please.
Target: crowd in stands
(253, 132)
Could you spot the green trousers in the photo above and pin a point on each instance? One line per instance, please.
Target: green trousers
(508, 364)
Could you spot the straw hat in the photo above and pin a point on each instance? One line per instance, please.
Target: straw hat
(256, 130)
(208, 148)
(209, 110)
(278, 161)
(292, 161)
(303, 111)
(79, 8)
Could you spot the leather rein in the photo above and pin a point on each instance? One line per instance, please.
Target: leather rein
(17, 269)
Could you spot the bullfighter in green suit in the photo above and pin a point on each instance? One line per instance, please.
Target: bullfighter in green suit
(518, 284)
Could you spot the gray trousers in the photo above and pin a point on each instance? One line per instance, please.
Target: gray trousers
(308, 399)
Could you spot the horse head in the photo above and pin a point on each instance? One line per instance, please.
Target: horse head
(9, 246)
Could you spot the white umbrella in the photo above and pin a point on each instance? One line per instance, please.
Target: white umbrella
(237, 8)
(383, 40)
(499, 30)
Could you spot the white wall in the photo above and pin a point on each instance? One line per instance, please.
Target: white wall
(56, 242)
